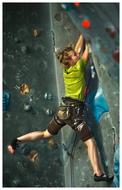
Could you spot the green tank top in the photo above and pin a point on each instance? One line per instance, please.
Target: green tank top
(74, 80)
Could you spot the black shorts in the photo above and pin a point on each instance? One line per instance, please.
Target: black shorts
(85, 133)
(55, 125)
(71, 115)
(54, 128)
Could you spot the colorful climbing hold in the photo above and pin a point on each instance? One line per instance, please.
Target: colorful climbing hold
(24, 89)
(6, 100)
(111, 31)
(86, 24)
(76, 4)
(67, 6)
(115, 55)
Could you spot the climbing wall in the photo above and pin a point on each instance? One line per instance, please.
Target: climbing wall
(101, 29)
(28, 59)
(29, 46)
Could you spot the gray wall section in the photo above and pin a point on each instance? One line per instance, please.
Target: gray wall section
(66, 27)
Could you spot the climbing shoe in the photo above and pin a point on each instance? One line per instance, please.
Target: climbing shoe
(103, 177)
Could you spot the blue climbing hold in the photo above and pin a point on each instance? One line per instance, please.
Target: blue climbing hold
(6, 100)
(116, 181)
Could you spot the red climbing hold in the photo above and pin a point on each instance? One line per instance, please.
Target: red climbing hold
(111, 31)
(77, 4)
(115, 55)
(86, 24)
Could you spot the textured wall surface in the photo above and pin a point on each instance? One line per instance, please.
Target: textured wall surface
(28, 57)
(104, 36)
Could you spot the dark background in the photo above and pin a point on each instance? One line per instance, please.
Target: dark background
(28, 59)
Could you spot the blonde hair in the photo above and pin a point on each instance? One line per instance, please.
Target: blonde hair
(63, 56)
